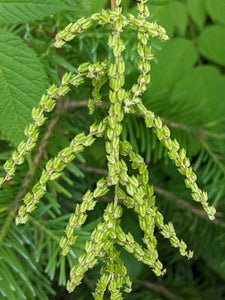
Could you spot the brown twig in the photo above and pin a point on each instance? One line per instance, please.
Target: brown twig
(158, 288)
(113, 5)
(193, 37)
(70, 105)
(92, 170)
(89, 283)
(199, 212)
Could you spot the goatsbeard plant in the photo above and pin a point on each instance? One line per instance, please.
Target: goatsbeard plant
(132, 191)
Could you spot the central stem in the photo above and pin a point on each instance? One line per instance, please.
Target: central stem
(113, 5)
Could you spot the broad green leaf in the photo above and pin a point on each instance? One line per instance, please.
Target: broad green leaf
(204, 90)
(159, 14)
(171, 16)
(211, 43)
(17, 11)
(216, 10)
(176, 58)
(178, 14)
(22, 81)
(196, 9)
(84, 8)
(126, 3)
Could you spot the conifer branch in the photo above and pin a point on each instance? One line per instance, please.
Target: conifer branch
(158, 288)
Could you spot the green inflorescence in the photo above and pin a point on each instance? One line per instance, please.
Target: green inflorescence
(131, 191)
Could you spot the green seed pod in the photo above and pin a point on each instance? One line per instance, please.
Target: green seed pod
(172, 154)
(81, 220)
(158, 123)
(22, 219)
(36, 111)
(54, 176)
(133, 181)
(52, 91)
(76, 80)
(129, 248)
(63, 242)
(118, 212)
(73, 220)
(69, 231)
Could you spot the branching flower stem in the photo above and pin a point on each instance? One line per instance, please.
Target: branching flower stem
(133, 191)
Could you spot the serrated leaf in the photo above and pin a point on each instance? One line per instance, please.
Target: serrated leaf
(211, 43)
(177, 57)
(196, 9)
(216, 10)
(203, 89)
(22, 81)
(17, 11)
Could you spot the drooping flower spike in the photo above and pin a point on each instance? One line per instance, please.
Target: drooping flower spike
(132, 191)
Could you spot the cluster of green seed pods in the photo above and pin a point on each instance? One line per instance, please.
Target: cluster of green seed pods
(131, 191)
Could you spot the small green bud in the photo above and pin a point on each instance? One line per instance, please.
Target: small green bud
(40, 121)
(54, 176)
(118, 212)
(88, 196)
(76, 80)
(65, 252)
(30, 130)
(133, 181)
(73, 220)
(28, 198)
(66, 78)
(129, 248)
(31, 145)
(81, 220)
(22, 210)
(52, 91)
(63, 242)
(158, 123)
(69, 231)
(83, 68)
(142, 110)
(176, 145)
(159, 219)
(22, 219)
(21, 147)
(36, 111)
(30, 207)
(63, 90)
(172, 154)
(112, 70)
(76, 147)
(89, 141)
(100, 191)
(72, 240)
(112, 40)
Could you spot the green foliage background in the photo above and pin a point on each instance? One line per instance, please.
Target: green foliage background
(187, 90)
